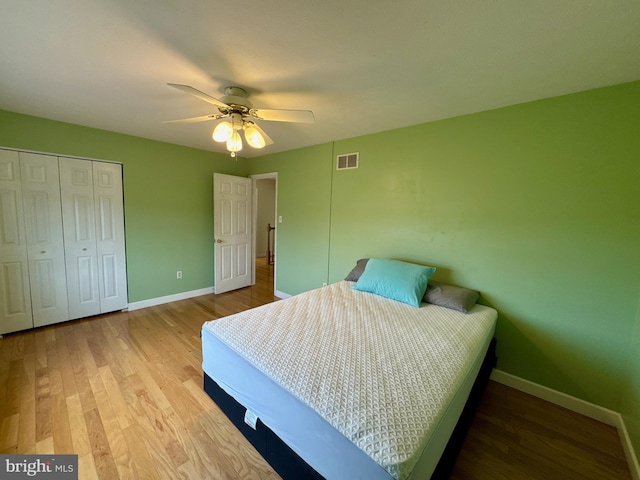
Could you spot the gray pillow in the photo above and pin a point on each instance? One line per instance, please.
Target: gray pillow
(449, 296)
(355, 273)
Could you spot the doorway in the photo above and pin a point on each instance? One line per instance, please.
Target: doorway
(265, 227)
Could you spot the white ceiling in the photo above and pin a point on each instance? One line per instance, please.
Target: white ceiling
(361, 66)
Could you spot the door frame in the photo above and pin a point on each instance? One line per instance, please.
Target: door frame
(265, 176)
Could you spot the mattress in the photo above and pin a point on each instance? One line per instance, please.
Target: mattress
(357, 385)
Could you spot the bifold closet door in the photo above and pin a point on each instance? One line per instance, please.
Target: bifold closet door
(15, 295)
(112, 267)
(79, 223)
(62, 249)
(45, 246)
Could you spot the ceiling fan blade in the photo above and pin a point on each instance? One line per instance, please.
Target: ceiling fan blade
(267, 138)
(203, 118)
(199, 94)
(297, 116)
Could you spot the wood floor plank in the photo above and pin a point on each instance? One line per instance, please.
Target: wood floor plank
(81, 374)
(109, 418)
(154, 444)
(44, 446)
(40, 347)
(118, 346)
(87, 468)
(12, 388)
(62, 439)
(27, 427)
(9, 432)
(100, 449)
(6, 346)
(142, 462)
(65, 367)
(124, 392)
(43, 405)
(118, 404)
(78, 426)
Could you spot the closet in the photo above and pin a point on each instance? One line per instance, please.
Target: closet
(62, 252)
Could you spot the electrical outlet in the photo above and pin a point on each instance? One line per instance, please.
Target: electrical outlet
(179, 274)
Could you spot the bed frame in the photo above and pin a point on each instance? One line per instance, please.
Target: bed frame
(290, 466)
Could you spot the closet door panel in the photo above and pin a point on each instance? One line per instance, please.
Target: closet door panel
(78, 215)
(15, 295)
(45, 246)
(110, 235)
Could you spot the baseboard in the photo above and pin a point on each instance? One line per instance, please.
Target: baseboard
(577, 405)
(182, 296)
(590, 410)
(170, 298)
(632, 458)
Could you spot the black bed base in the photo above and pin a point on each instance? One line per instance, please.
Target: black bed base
(290, 466)
(285, 461)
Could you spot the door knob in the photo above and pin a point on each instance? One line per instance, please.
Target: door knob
(218, 240)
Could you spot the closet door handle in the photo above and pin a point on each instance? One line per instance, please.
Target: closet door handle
(218, 240)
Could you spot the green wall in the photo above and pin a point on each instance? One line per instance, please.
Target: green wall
(304, 201)
(535, 205)
(168, 193)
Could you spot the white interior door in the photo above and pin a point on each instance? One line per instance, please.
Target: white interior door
(78, 212)
(112, 265)
(232, 230)
(45, 246)
(15, 295)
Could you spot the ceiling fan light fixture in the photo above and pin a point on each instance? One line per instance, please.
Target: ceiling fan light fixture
(234, 144)
(223, 132)
(239, 113)
(254, 137)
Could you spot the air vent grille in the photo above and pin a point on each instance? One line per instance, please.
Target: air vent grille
(347, 161)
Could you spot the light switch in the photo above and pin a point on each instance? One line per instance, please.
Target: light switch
(280, 219)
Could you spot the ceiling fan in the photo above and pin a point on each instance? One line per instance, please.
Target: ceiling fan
(240, 116)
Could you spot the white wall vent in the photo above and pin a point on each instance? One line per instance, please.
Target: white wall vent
(347, 161)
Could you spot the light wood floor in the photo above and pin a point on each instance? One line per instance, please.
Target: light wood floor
(124, 392)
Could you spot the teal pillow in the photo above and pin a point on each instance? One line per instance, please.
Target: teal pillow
(401, 281)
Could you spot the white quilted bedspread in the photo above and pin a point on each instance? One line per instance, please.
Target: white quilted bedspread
(379, 371)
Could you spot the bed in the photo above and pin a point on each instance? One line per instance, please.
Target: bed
(341, 383)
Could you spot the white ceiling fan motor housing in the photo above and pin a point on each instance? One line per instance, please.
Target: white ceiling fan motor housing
(236, 97)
